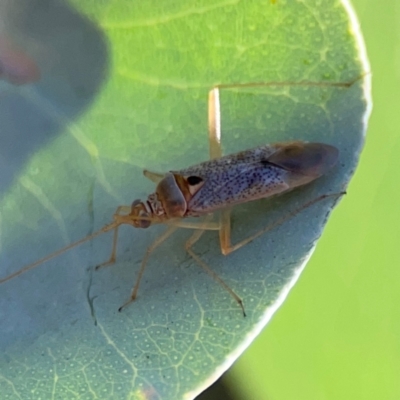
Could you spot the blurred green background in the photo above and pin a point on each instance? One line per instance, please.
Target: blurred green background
(337, 336)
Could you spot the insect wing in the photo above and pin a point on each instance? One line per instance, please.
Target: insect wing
(234, 180)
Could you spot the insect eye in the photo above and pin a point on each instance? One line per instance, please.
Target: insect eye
(194, 180)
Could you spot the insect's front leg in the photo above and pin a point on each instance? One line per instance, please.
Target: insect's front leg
(171, 229)
(113, 256)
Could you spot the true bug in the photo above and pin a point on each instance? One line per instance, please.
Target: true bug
(216, 185)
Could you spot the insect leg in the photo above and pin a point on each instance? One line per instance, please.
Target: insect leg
(290, 83)
(200, 228)
(153, 176)
(214, 130)
(214, 123)
(225, 233)
(188, 246)
(171, 229)
(205, 225)
(214, 136)
(111, 260)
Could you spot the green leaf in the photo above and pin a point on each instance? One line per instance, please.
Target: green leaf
(124, 87)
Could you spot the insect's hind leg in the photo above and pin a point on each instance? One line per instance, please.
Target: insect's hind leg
(214, 124)
(225, 232)
(214, 111)
(289, 83)
(214, 130)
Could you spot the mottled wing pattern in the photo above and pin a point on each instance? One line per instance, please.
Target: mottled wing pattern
(235, 179)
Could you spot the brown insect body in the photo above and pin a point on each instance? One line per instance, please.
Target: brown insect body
(234, 179)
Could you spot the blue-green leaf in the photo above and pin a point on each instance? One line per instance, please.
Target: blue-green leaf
(124, 87)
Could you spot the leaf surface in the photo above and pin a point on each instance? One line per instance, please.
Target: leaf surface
(124, 87)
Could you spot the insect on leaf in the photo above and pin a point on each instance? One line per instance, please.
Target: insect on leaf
(125, 89)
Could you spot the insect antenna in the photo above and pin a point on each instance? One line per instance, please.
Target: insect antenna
(104, 229)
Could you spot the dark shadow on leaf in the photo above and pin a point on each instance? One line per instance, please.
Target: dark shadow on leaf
(72, 56)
